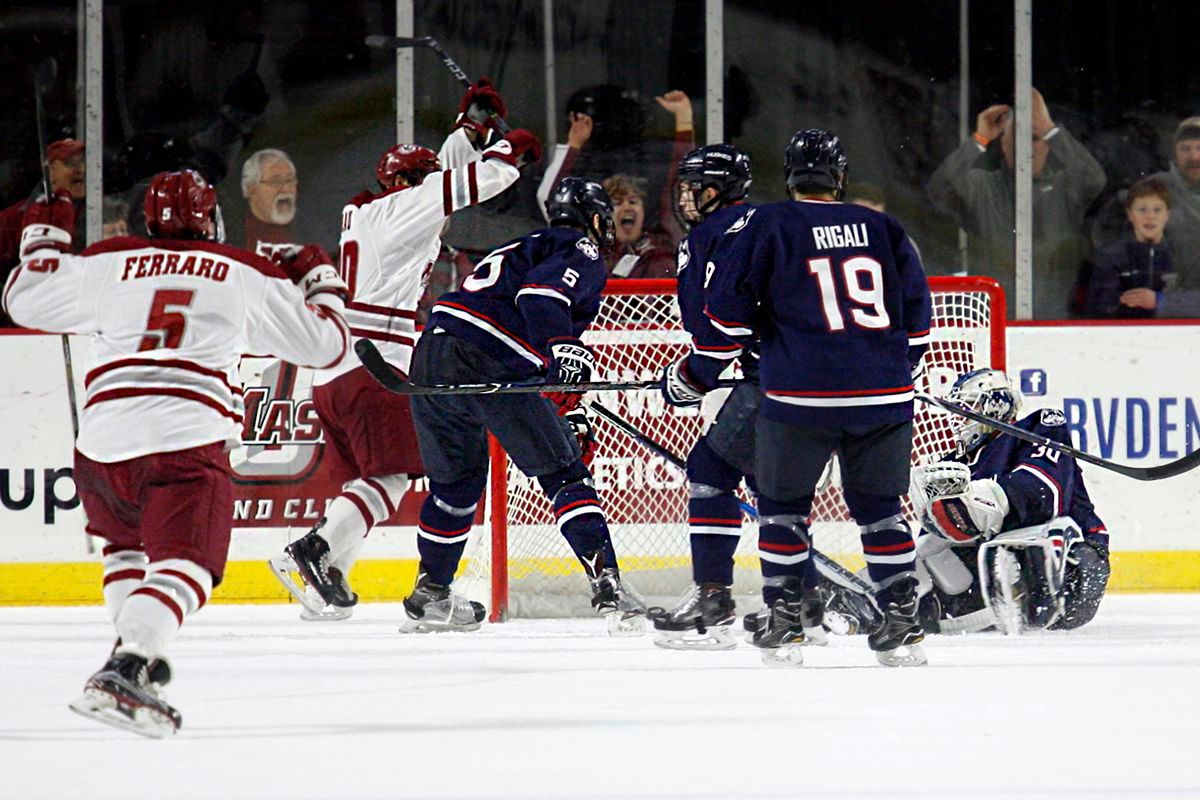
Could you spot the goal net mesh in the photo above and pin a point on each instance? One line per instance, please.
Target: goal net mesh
(637, 332)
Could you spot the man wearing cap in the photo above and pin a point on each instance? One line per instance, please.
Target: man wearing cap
(67, 173)
(1183, 227)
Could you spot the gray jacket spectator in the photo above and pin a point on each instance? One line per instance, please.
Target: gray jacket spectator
(1183, 228)
(982, 198)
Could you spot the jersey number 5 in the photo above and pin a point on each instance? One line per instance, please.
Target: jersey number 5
(487, 271)
(862, 283)
(164, 327)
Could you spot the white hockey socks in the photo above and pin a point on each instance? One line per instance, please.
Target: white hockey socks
(363, 504)
(124, 571)
(152, 614)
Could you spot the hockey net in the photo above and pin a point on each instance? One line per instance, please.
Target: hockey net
(525, 568)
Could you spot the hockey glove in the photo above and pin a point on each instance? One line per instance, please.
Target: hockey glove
(519, 147)
(571, 362)
(580, 423)
(678, 387)
(476, 107)
(48, 223)
(312, 270)
(978, 511)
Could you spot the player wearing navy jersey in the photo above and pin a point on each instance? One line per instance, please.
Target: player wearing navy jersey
(837, 298)
(713, 184)
(999, 491)
(518, 316)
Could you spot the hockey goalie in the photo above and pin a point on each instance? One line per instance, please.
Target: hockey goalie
(1009, 536)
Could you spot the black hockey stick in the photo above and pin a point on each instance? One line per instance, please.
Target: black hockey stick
(832, 570)
(396, 42)
(391, 380)
(1168, 470)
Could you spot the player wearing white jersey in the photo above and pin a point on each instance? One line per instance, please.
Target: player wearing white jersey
(170, 317)
(389, 242)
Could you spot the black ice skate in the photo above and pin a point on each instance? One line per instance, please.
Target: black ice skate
(702, 620)
(127, 693)
(780, 634)
(433, 608)
(619, 603)
(309, 556)
(897, 640)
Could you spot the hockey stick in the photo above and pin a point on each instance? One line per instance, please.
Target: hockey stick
(43, 83)
(396, 42)
(391, 380)
(1168, 470)
(832, 570)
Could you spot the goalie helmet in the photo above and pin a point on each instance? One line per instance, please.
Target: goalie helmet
(181, 205)
(576, 202)
(988, 392)
(409, 161)
(814, 159)
(717, 166)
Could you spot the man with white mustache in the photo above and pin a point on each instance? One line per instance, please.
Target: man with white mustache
(269, 185)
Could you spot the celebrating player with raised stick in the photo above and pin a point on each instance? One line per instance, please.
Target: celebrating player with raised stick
(390, 239)
(170, 317)
(838, 300)
(519, 316)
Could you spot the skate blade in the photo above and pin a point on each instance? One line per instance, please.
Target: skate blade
(912, 655)
(623, 625)
(282, 568)
(717, 638)
(425, 626)
(103, 707)
(815, 637)
(326, 614)
(788, 655)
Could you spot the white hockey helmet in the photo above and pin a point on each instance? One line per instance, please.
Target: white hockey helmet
(988, 392)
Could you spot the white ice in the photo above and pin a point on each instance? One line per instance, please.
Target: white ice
(276, 708)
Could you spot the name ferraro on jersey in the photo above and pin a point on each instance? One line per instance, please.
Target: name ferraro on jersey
(828, 237)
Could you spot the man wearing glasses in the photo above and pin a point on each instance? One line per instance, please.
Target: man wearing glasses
(269, 185)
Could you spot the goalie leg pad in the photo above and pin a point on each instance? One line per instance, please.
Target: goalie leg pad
(445, 525)
(1087, 578)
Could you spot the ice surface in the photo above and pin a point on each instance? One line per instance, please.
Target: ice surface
(276, 708)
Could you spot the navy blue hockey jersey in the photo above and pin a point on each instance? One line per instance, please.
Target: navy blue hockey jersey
(1040, 483)
(838, 299)
(711, 351)
(525, 294)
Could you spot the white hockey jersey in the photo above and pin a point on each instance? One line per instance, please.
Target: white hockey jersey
(390, 241)
(170, 321)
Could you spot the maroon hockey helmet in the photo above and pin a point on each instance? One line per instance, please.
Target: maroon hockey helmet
(181, 205)
(410, 161)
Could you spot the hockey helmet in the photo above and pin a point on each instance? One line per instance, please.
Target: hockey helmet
(181, 205)
(576, 201)
(988, 392)
(719, 166)
(409, 161)
(814, 159)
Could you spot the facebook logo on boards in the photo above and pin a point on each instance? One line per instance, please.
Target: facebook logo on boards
(1033, 382)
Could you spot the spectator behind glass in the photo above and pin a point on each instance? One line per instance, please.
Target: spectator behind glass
(608, 142)
(269, 185)
(1183, 229)
(982, 198)
(115, 216)
(64, 160)
(638, 252)
(868, 195)
(1129, 276)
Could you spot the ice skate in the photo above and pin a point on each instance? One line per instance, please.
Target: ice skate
(127, 693)
(619, 603)
(897, 640)
(780, 634)
(327, 613)
(309, 556)
(815, 620)
(433, 608)
(702, 620)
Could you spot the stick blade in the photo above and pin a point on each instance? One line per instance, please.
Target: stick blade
(378, 367)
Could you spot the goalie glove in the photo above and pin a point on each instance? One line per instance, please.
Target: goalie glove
(976, 512)
(580, 423)
(678, 387)
(571, 362)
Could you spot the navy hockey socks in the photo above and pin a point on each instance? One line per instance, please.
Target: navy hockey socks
(582, 522)
(442, 533)
(888, 545)
(714, 526)
(783, 545)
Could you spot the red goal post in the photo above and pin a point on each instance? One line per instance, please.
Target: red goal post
(524, 567)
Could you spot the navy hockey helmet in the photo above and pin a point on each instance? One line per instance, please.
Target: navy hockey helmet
(576, 201)
(718, 166)
(814, 159)
(988, 392)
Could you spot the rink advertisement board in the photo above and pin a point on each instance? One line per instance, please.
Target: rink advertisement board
(1121, 388)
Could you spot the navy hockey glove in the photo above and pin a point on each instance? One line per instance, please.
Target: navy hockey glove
(678, 387)
(580, 423)
(571, 362)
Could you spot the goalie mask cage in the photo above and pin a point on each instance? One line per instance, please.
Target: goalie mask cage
(524, 568)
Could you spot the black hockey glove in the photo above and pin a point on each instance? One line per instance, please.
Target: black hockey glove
(571, 362)
(678, 387)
